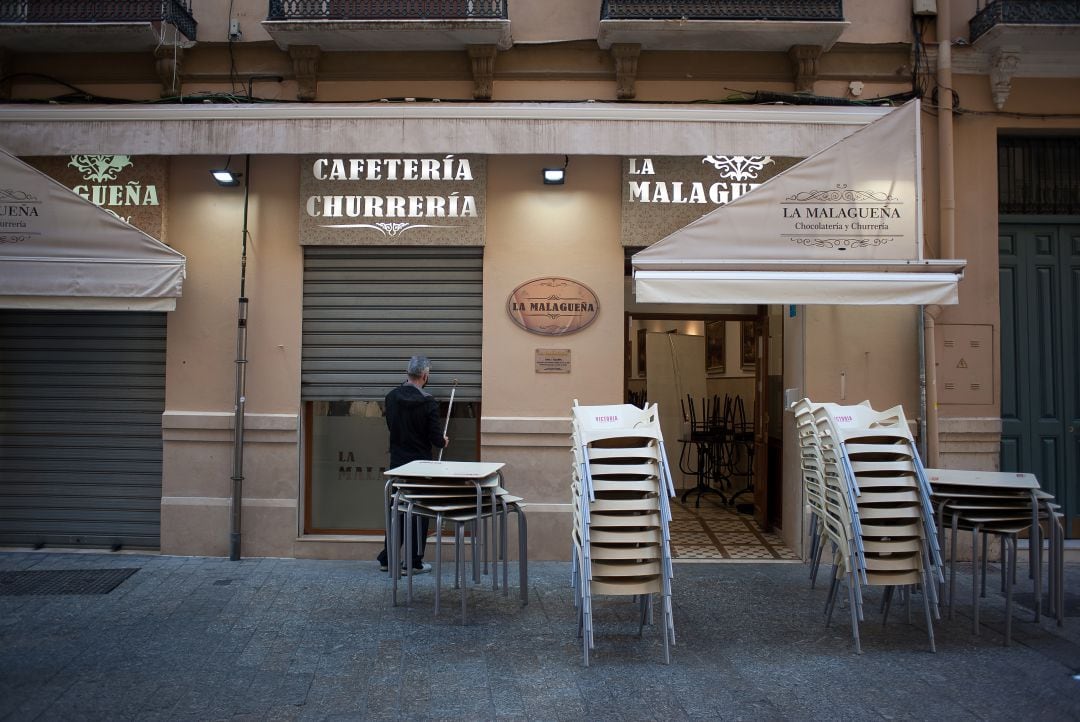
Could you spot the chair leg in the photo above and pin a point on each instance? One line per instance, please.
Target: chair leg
(523, 556)
(886, 605)
(392, 552)
(952, 565)
(460, 541)
(985, 549)
(504, 542)
(1008, 549)
(830, 603)
(408, 556)
(1002, 538)
(667, 640)
(854, 613)
(926, 608)
(975, 580)
(909, 591)
(438, 560)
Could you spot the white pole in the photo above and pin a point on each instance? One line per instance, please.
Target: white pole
(449, 409)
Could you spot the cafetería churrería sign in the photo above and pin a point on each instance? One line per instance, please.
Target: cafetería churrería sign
(552, 306)
(376, 199)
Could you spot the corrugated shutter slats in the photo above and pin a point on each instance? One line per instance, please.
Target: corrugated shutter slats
(81, 398)
(368, 309)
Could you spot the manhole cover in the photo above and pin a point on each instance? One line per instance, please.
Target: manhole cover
(60, 581)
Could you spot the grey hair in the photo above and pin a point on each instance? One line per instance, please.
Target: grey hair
(417, 366)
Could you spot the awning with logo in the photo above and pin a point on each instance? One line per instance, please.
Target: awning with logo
(844, 226)
(60, 251)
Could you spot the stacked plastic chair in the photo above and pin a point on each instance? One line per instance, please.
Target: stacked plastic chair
(621, 484)
(830, 500)
(871, 466)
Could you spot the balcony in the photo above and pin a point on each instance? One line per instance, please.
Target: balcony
(1029, 24)
(95, 25)
(1022, 38)
(381, 25)
(766, 26)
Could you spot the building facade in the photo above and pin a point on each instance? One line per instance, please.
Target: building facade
(392, 202)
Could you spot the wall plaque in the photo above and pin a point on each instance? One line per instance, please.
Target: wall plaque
(552, 360)
(552, 306)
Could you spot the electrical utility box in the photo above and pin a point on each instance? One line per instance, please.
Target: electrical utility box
(924, 7)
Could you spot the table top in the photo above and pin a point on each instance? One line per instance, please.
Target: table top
(985, 479)
(463, 470)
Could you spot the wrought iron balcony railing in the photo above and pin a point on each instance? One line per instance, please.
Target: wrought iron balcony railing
(1024, 12)
(176, 12)
(387, 10)
(816, 10)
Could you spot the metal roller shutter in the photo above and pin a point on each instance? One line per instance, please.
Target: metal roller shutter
(81, 399)
(368, 309)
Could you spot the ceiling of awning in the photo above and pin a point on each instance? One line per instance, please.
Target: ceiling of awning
(843, 226)
(60, 251)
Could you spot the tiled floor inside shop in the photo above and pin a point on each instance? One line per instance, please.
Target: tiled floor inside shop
(715, 532)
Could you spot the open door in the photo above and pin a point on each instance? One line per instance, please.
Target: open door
(761, 418)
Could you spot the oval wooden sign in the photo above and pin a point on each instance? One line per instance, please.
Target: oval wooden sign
(552, 306)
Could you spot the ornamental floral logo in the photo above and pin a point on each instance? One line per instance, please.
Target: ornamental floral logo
(99, 168)
(738, 167)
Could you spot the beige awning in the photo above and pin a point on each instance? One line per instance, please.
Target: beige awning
(618, 129)
(60, 251)
(843, 226)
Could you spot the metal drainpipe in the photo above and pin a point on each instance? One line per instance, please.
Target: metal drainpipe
(932, 455)
(241, 360)
(946, 217)
(922, 383)
(241, 379)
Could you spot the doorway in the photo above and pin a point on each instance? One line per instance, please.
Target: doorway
(1039, 274)
(709, 375)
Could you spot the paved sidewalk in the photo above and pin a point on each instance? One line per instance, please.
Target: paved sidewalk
(280, 639)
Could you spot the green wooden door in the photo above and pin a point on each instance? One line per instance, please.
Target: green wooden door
(1039, 275)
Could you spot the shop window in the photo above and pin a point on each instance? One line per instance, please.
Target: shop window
(347, 452)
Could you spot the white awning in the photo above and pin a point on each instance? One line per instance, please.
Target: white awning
(60, 251)
(841, 287)
(843, 226)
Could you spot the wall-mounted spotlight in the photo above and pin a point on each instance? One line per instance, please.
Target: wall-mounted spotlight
(225, 177)
(556, 176)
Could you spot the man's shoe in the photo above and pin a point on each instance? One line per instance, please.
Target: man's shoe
(384, 567)
(422, 569)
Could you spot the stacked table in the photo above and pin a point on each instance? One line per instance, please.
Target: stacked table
(470, 497)
(1004, 504)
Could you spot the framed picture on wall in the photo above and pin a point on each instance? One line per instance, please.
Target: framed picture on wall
(641, 353)
(715, 346)
(747, 346)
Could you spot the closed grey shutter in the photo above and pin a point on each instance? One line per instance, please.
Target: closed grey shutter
(81, 399)
(368, 309)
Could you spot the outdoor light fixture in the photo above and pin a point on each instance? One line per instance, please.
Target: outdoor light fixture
(225, 177)
(556, 176)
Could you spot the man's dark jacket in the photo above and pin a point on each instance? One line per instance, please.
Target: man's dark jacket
(412, 415)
